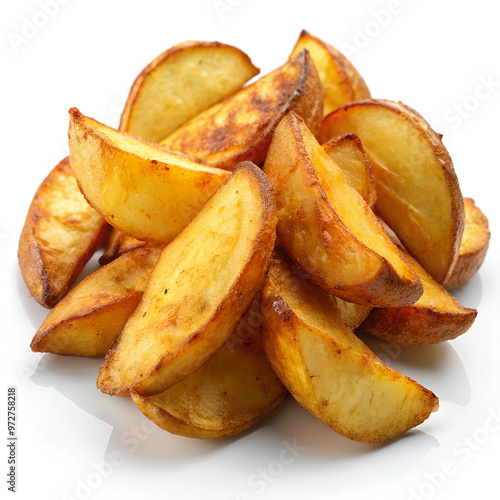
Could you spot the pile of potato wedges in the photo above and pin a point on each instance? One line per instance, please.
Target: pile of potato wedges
(246, 231)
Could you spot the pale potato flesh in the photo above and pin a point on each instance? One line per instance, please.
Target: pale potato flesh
(60, 235)
(89, 318)
(138, 187)
(202, 284)
(180, 83)
(418, 192)
(227, 395)
(340, 80)
(241, 126)
(348, 153)
(328, 229)
(329, 370)
(435, 317)
(473, 247)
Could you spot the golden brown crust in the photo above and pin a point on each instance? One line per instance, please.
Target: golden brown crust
(88, 319)
(435, 317)
(473, 248)
(328, 370)
(196, 340)
(315, 235)
(240, 128)
(60, 235)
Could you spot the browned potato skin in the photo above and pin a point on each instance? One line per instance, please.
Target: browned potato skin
(181, 344)
(341, 81)
(241, 127)
(89, 318)
(473, 248)
(435, 317)
(117, 244)
(432, 230)
(349, 154)
(165, 119)
(229, 394)
(60, 235)
(316, 237)
(329, 370)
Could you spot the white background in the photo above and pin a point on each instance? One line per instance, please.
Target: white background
(75, 442)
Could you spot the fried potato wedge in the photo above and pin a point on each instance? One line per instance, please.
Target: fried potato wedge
(60, 235)
(473, 248)
(117, 244)
(180, 83)
(434, 318)
(351, 314)
(348, 153)
(241, 126)
(329, 370)
(418, 192)
(341, 81)
(229, 394)
(89, 318)
(328, 229)
(203, 283)
(138, 187)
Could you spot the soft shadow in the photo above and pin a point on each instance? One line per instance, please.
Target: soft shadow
(469, 295)
(291, 419)
(34, 311)
(75, 378)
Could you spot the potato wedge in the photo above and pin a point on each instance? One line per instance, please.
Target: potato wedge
(434, 318)
(138, 187)
(329, 370)
(348, 153)
(341, 81)
(60, 235)
(180, 83)
(203, 283)
(473, 248)
(418, 192)
(241, 126)
(117, 244)
(229, 394)
(328, 229)
(89, 318)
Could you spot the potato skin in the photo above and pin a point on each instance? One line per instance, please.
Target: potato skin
(60, 235)
(184, 341)
(473, 248)
(241, 127)
(89, 318)
(413, 325)
(434, 318)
